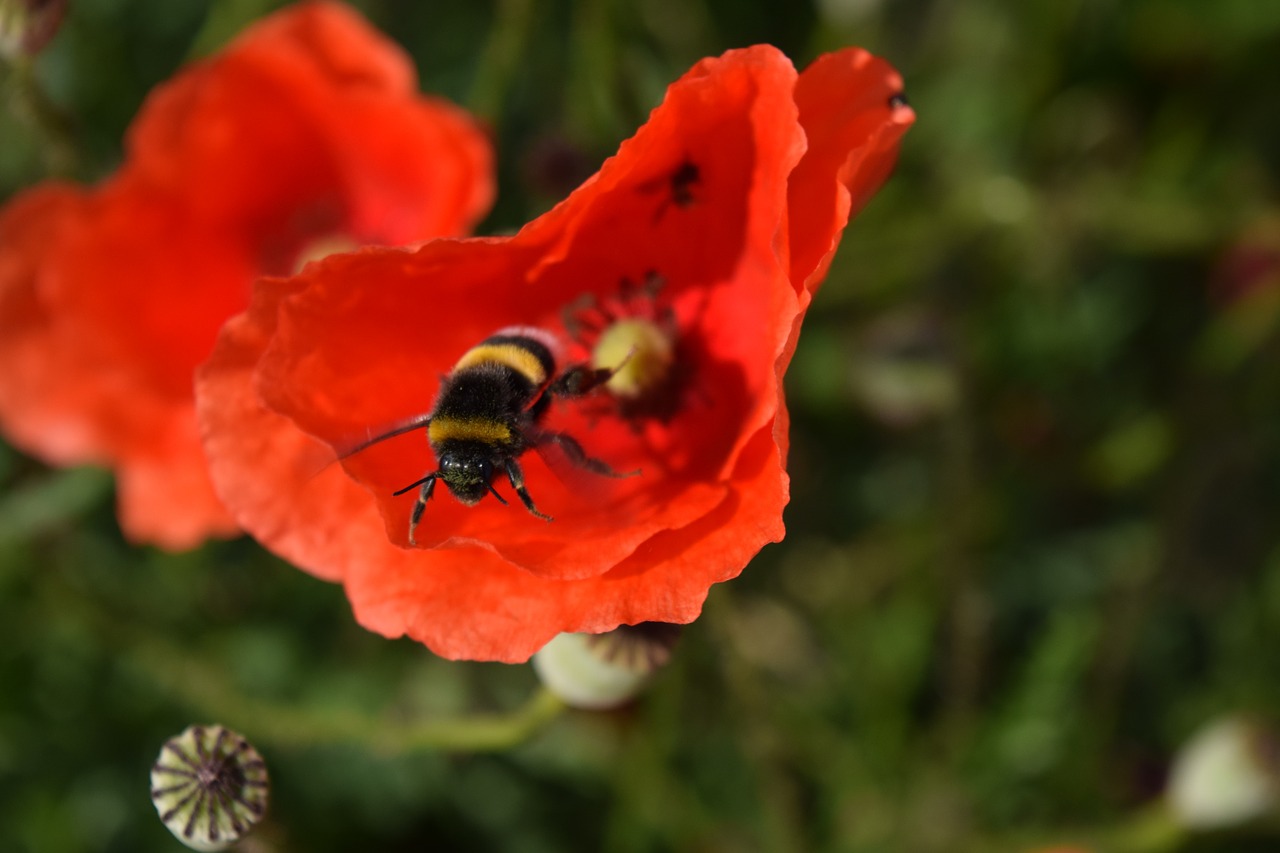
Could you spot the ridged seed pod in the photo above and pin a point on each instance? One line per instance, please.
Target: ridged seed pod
(209, 786)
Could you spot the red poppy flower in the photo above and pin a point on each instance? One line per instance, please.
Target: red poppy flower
(733, 197)
(306, 133)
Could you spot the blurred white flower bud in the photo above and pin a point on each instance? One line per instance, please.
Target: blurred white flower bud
(209, 786)
(1228, 773)
(27, 25)
(601, 671)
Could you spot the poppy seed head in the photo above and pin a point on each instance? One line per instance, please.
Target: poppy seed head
(209, 786)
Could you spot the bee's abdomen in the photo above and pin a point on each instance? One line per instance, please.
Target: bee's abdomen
(522, 353)
(491, 388)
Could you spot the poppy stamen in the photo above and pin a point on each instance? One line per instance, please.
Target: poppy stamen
(642, 353)
(677, 187)
(634, 345)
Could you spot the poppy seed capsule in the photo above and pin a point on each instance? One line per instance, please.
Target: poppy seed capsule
(640, 350)
(209, 786)
(596, 672)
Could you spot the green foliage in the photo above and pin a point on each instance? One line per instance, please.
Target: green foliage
(995, 617)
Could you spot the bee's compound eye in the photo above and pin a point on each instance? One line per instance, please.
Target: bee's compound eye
(465, 469)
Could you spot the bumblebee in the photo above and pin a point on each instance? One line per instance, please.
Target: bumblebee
(488, 413)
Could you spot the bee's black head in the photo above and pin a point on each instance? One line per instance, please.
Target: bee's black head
(467, 470)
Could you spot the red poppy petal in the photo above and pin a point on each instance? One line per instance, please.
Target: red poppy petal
(411, 170)
(670, 576)
(270, 90)
(470, 604)
(726, 110)
(62, 399)
(734, 118)
(704, 196)
(40, 384)
(334, 322)
(277, 481)
(247, 140)
(131, 300)
(306, 127)
(853, 131)
(59, 401)
(166, 496)
(329, 40)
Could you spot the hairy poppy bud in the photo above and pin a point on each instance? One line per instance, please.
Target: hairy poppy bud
(1228, 773)
(597, 672)
(27, 25)
(209, 786)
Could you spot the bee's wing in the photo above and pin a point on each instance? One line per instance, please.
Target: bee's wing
(571, 463)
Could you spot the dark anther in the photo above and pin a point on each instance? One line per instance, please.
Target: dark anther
(683, 180)
(677, 187)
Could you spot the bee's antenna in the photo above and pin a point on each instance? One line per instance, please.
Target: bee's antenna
(409, 425)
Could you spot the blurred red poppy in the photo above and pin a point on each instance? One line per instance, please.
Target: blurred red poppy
(305, 134)
(733, 195)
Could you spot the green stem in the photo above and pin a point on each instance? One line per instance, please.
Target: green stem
(210, 691)
(30, 104)
(780, 819)
(51, 501)
(967, 631)
(207, 689)
(502, 56)
(1151, 831)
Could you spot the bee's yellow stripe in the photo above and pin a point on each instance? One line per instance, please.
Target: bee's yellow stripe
(465, 429)
(514, 356)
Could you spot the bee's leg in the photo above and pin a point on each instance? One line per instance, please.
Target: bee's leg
(428, 484)
(516, 476)
(578, 379)
(577, 455)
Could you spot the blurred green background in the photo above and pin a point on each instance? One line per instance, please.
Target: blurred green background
(1036, 468)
